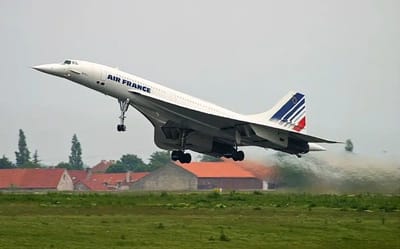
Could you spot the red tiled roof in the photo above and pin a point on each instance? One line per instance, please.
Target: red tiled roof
(138, 175)
(109, 178)
(257, 169)
(114, 178)
(102, 166)
(94, 185)
(101, 181)
(226, 169)
(30, 178)
(77, 175)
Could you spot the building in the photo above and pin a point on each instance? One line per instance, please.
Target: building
(199, 176)
(108, 181)
(35, 179)
(102, 166)
(267, 174)
(78, 175)
(171, 177)
(88, 185)
(225, 175)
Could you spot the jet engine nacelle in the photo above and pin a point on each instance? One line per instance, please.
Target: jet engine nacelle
(199, 142)
(297, 147)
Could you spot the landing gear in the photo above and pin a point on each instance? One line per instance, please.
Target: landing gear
(237, 155)
(178, 155)
(121, 127)
(123, 105)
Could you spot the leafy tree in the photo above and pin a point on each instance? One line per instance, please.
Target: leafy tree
(22, 155)
(5, 163)
(117, 167)
(159, 159)
(36, 158)
(133, 163)
(30, 164)
(64, 165)
(349, 146)
(128, 162)
(75, 159)
(207, 158)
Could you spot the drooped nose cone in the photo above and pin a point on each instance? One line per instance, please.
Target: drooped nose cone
(42, 68)
(54, 69)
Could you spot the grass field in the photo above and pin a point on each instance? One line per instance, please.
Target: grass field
(198, 220)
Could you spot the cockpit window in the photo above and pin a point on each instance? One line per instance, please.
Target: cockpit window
(69, 62)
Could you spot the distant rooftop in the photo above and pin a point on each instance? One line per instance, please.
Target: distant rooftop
(226, 169)
(102, 166)
(30, 178)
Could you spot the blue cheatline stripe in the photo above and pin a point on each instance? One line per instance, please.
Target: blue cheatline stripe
(287, 106)
(297, 113)
(299, 105)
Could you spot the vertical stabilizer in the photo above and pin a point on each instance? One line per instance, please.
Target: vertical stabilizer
(290, 112)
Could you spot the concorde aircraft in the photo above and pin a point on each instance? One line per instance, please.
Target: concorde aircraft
(182, 122)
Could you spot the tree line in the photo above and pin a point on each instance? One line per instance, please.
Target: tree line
(131, 162)
(128, 162)
(23, 157)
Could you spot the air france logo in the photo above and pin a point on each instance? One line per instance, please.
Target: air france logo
(129, 83)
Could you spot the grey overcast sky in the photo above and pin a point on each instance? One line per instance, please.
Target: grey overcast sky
(243, 55)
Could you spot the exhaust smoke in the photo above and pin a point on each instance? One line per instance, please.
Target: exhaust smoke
(335, 173)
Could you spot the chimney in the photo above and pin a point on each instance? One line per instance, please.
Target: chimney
(128, 176)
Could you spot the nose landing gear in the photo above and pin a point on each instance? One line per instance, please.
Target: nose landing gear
(123, 105)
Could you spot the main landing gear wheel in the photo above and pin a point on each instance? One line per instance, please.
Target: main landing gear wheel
(178, 155)
(123, 106)
(238, 155)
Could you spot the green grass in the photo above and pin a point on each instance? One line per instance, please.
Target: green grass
(198, 220)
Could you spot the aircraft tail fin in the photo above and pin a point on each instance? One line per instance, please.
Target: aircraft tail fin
(290, 112)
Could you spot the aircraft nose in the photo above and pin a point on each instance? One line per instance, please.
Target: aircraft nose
(46, 68)
(54, 69)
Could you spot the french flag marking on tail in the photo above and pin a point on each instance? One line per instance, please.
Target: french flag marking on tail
(291, 112)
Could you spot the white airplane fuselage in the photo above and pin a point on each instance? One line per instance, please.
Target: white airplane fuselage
(185, 122)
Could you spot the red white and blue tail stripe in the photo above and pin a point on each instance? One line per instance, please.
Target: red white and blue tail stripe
(290, 112)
